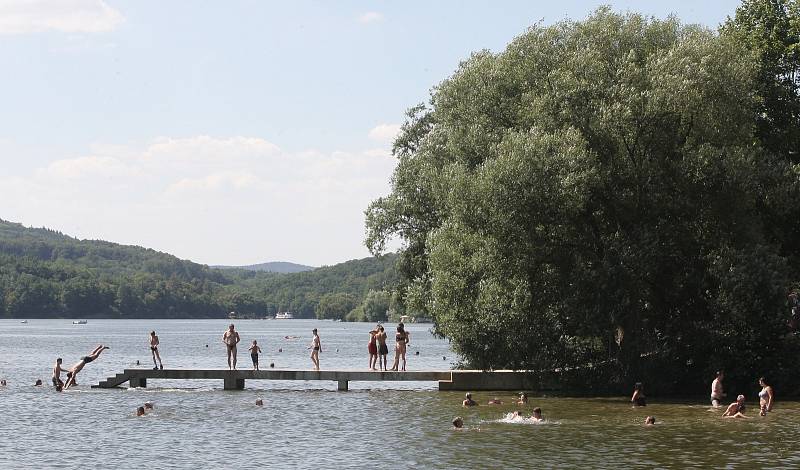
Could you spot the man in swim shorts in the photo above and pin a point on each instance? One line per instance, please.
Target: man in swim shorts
(231, 339)
(57, 382)
(73, 371)
(154, 351)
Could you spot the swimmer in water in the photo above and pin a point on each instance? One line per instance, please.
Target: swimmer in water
(140, 411)
(736, 409)
(536, 416)
(57, 370)
(523, 399)
(148, 405)
(494, 401)
(717, 394)
(765, 396)
(259, 402)
(458, 423)
(468, 401)
(649, 421)
(638, 398)
(73, 371)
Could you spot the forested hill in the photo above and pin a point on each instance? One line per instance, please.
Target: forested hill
(44, 273)
(272, 267)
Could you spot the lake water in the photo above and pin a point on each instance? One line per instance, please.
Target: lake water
(311, 425)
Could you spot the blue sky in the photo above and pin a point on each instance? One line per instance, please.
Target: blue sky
(232, 132)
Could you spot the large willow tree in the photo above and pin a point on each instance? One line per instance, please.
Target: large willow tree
(595, 194)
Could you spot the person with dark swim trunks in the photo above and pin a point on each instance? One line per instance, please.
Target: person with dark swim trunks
(231, 339)
(73, 371)
(383, 350)
(638, 398)
(316, 348)
(254, 350)
(154, 351)
(57, 382)
(736, 409)
(372, 347)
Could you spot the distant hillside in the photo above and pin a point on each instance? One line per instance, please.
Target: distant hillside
(273, 267)
(44, 273)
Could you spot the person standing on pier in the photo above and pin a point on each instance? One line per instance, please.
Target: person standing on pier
(383, 350)
(231, 339)
(254, 350)
(372, 348)
(316, 348)
(154, 351)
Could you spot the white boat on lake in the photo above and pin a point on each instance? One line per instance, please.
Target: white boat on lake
(79, 322)
(284, 316)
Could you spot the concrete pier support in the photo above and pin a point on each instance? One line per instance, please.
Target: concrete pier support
(234, 383)
(343, 385)
(138, 382)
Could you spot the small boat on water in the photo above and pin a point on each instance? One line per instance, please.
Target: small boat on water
(79, 322)
(284, 316)
(24, 321)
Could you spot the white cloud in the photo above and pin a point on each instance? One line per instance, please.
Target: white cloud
(229, 200)
(370, 17)
(384, 132)
(67, 16)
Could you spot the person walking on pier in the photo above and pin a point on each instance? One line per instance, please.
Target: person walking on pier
(73, 371)
(231, 339)
(316, 348)
(154, 351)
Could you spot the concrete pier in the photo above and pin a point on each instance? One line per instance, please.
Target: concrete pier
(463, 380)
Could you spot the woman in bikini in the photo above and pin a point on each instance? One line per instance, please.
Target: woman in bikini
(765, 396)
(401, 339)
(73, 371)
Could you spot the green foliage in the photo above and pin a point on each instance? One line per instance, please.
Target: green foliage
(46, 274)
(592, 195)
(770, 30)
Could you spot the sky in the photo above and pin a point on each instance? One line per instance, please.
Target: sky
(233, 132)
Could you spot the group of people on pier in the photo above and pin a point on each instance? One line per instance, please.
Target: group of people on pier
(378, 350)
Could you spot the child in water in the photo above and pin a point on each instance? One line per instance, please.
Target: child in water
(254, 350)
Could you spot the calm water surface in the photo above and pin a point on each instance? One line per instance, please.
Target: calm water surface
(309, 425)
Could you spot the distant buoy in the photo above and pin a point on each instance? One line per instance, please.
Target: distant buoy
(206, 345)
(272, 364)
(416, 353)
(280, 350)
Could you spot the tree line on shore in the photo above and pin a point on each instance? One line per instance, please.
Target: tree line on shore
(45, 274)
(616, 197)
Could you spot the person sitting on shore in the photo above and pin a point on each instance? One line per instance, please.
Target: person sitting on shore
(468, 401)
(458, 423)
(736, 409)
(638, 398)
(649, 421)
(536, 416)
(73, 371)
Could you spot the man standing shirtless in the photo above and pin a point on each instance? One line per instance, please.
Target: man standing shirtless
(57, 382)
(231, 339)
